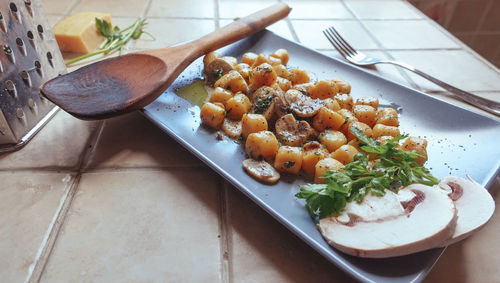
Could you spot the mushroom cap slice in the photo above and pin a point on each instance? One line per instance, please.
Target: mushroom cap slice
(216, 69)
(302, 105)
(261, 170)
(474, 204)
(381, 227)
(290, 132)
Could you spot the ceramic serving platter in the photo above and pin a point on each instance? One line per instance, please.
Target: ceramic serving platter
(460, 142)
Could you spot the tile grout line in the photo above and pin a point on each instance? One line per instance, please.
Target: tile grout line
(224, 240)
(46, 247)
(381, 46)
(288, 22)
(216, 14)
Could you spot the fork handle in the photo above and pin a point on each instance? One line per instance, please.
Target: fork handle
(483, 103)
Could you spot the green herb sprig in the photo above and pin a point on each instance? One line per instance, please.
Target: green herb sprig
(115, 38)
(395, 168)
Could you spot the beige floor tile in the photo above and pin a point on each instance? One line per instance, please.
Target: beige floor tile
(28, 203)
(262, 250)
(386, 71)
(133, 141)
(475, 259)
(281, 28)
(409, 34)
(57, 6)
(327, 9)
(185, 8)
(59, 144)
(381, 9)
(310, 34)
(123, 8)
(230, 9)
(140, 226)
(456, 67)
(172, 31)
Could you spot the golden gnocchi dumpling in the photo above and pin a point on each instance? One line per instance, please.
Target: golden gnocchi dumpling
(332, 104)
(253, 123)
(281, 71)
(345, 101)
(360, 126)
(327, 119)
(261, 59)
(273, 61)
(298, 76)
(261, 145)
(209, 57)
(281, 54)
(313, 153)
(384, 130)
(249, 58)
(305, 88)
(244, 70)
(284, 84)
(349, 117)
(343, 86)
(237, 105)
(387, 116)
(419, 145)
(288, 159)
(366, 114)
(232, 81)
(324, 90)
(323, 166)
(212, 115)
(220, 95)
(261, 75)
(345, 154)
(368, 100)
(332, 139)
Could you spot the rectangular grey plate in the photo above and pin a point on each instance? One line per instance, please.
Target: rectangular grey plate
(460, 143)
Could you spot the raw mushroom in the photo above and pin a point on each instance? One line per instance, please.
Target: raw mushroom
(474, 204)
(290, 132)
(261, 170)
(381, 227)
(216, 69)
(302, 105)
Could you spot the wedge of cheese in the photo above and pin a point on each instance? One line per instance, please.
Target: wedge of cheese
(78, 33)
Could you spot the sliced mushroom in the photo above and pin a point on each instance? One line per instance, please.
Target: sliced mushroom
(216, 69)
(381, 227)
(263, 102)
(261, 170)
(290, 132)
(474, 204)
(302, 105)
(232, 128)
(280, 105)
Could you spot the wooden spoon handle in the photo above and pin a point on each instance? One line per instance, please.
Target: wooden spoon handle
(240, 29)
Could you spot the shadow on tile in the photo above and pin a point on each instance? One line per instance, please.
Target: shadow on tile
(132, 141)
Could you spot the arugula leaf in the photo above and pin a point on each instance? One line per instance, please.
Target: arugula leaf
(394, 169)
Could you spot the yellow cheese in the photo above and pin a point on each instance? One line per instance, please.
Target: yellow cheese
(78, 33)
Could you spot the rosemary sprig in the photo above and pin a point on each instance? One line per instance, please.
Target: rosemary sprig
(115, 38)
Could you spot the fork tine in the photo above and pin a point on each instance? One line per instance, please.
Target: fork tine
(342, 41)
(341, 49)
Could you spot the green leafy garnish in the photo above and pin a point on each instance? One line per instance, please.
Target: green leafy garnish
(261, 104)
(115, 37)
(395, 169)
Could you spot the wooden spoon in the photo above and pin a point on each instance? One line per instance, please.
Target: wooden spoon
(126, 83)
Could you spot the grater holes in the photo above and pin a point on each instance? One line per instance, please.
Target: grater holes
(26, 77)
(20, 46)
(3, 26)
(39, 28)
(31, 38)
(11, 88)
(15, 12)
(8, 52)
(38, 68)
(27, 4)
(49, 57)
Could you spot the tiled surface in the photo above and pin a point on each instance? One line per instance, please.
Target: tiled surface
(28, 203)
(120, 146)
(309, 33)
(145, 210)
(381, 9)
(140, 226)
(411, 34)
(59, 145)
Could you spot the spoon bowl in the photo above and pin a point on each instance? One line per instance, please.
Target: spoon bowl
(126, 83)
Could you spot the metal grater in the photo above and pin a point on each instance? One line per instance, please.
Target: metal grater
(29, 56)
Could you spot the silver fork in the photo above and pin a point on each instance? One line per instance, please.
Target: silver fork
(360, 59)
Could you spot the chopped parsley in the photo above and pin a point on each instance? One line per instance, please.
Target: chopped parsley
(261, 104)
(289, 164)
(394, 169)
